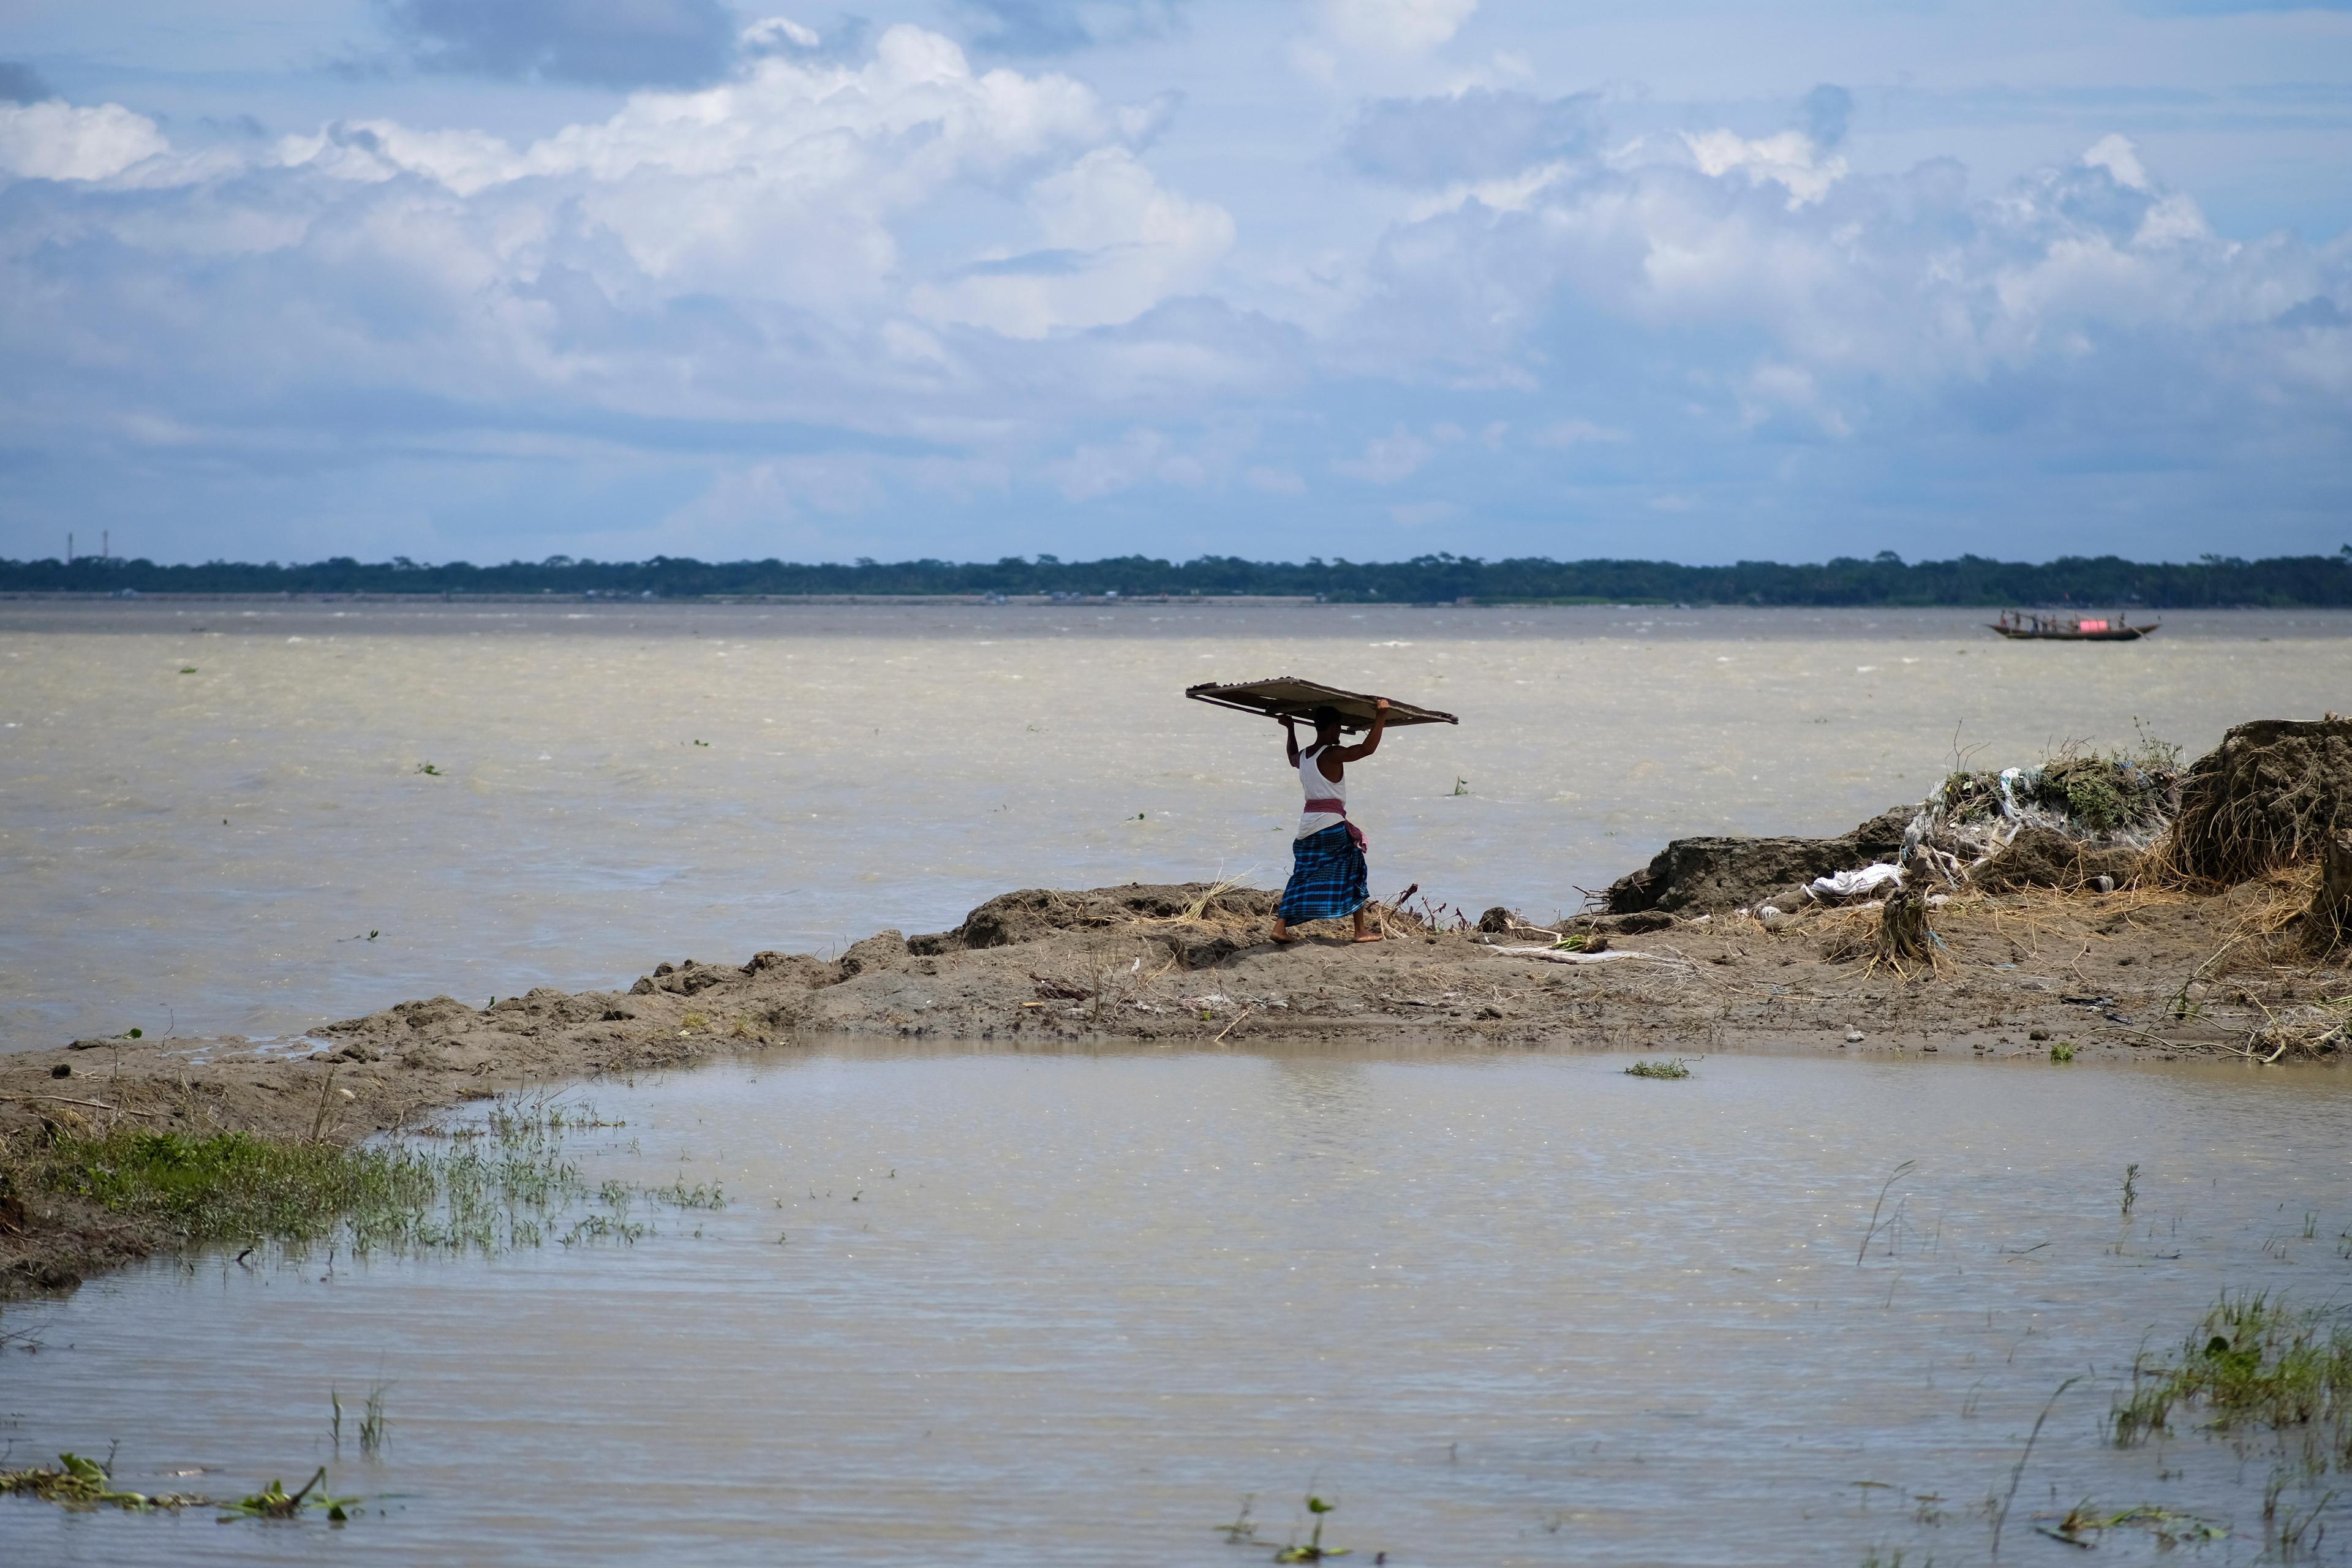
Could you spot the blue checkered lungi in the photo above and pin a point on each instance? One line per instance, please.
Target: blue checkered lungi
(1328, 877)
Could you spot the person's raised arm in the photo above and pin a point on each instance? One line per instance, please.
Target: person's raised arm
(1372, 742)
(1289, 741)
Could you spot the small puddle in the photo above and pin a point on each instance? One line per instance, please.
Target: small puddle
(1016, 1308)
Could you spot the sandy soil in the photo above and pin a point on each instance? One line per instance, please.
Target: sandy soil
(1191, 968)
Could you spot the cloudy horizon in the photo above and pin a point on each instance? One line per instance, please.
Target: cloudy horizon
(1371, 278)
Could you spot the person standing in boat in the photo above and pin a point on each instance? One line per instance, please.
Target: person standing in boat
(1327, 875)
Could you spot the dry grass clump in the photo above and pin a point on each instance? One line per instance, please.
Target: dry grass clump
(2044, 857)
(2328, 920)
(2276, 924)
(1895, 934)
(2308, 1029)
(2270, 795)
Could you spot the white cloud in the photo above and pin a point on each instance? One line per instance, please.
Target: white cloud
(780, 32)
(1770, 390)
(1899, 279)
(1141, 456)
(786, 184)
(1396, 27)
(1117, 244)
(734, 253)
(54, 140)
(1578, 433)
(1388, 458)
(784, 489)
(2119, 157)
(1792, 158)
(885, 284)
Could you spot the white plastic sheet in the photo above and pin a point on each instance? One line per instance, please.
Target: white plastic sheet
(1846, 884)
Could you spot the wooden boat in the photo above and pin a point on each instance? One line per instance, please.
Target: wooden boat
(1288, 697)
(2023, 626)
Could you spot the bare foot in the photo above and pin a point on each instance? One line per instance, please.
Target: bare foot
(1282, 935)
(1368, 936)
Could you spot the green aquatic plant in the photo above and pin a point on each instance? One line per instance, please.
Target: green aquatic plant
(1674, 1068)
(601, 1227)
(82, 1483)
(374, 1426)
(2064, 1051)
(2171, 1527)
(1892, 1225)
(429, 770)
(696, 1198)
(2253, 1361)
(2000, 1514)
(77, 1482)
(1314, 1551)
(274, 1501)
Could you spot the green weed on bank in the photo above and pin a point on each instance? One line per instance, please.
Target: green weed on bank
(493, 1187)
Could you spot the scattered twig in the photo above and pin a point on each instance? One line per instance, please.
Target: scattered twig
(2018, 1474)
(1900, 1172)
(320, 1120)
(67, 1100)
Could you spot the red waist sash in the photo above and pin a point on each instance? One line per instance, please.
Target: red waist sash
(1338, 808)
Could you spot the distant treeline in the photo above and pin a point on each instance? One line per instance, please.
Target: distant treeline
(2215, 581)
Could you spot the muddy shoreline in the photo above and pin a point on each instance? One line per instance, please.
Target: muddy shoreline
(1191, 968)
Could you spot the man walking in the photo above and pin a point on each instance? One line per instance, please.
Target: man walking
(1327, 875)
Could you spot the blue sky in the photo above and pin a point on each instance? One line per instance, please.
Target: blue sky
(1695, 280)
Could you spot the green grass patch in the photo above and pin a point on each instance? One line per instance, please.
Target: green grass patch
(493, 1186)
(1677, 1069)
(236, 1186)
(2253, 1363)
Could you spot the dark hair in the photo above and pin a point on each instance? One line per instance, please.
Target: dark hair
(1325, 717)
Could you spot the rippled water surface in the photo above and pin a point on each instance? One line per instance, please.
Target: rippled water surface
(1073, 1309)
(212, 817)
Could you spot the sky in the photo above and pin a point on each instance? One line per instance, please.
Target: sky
(1696, 280)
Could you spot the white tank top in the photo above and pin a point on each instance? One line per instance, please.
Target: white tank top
(1317, 787)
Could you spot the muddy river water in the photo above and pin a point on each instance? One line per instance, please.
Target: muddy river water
(219, 818)
(1026, 1309)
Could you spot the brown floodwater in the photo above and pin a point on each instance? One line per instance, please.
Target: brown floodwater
(1503, 1308)
(212, 817)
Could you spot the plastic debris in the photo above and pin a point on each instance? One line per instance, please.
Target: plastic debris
(1846, 884)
